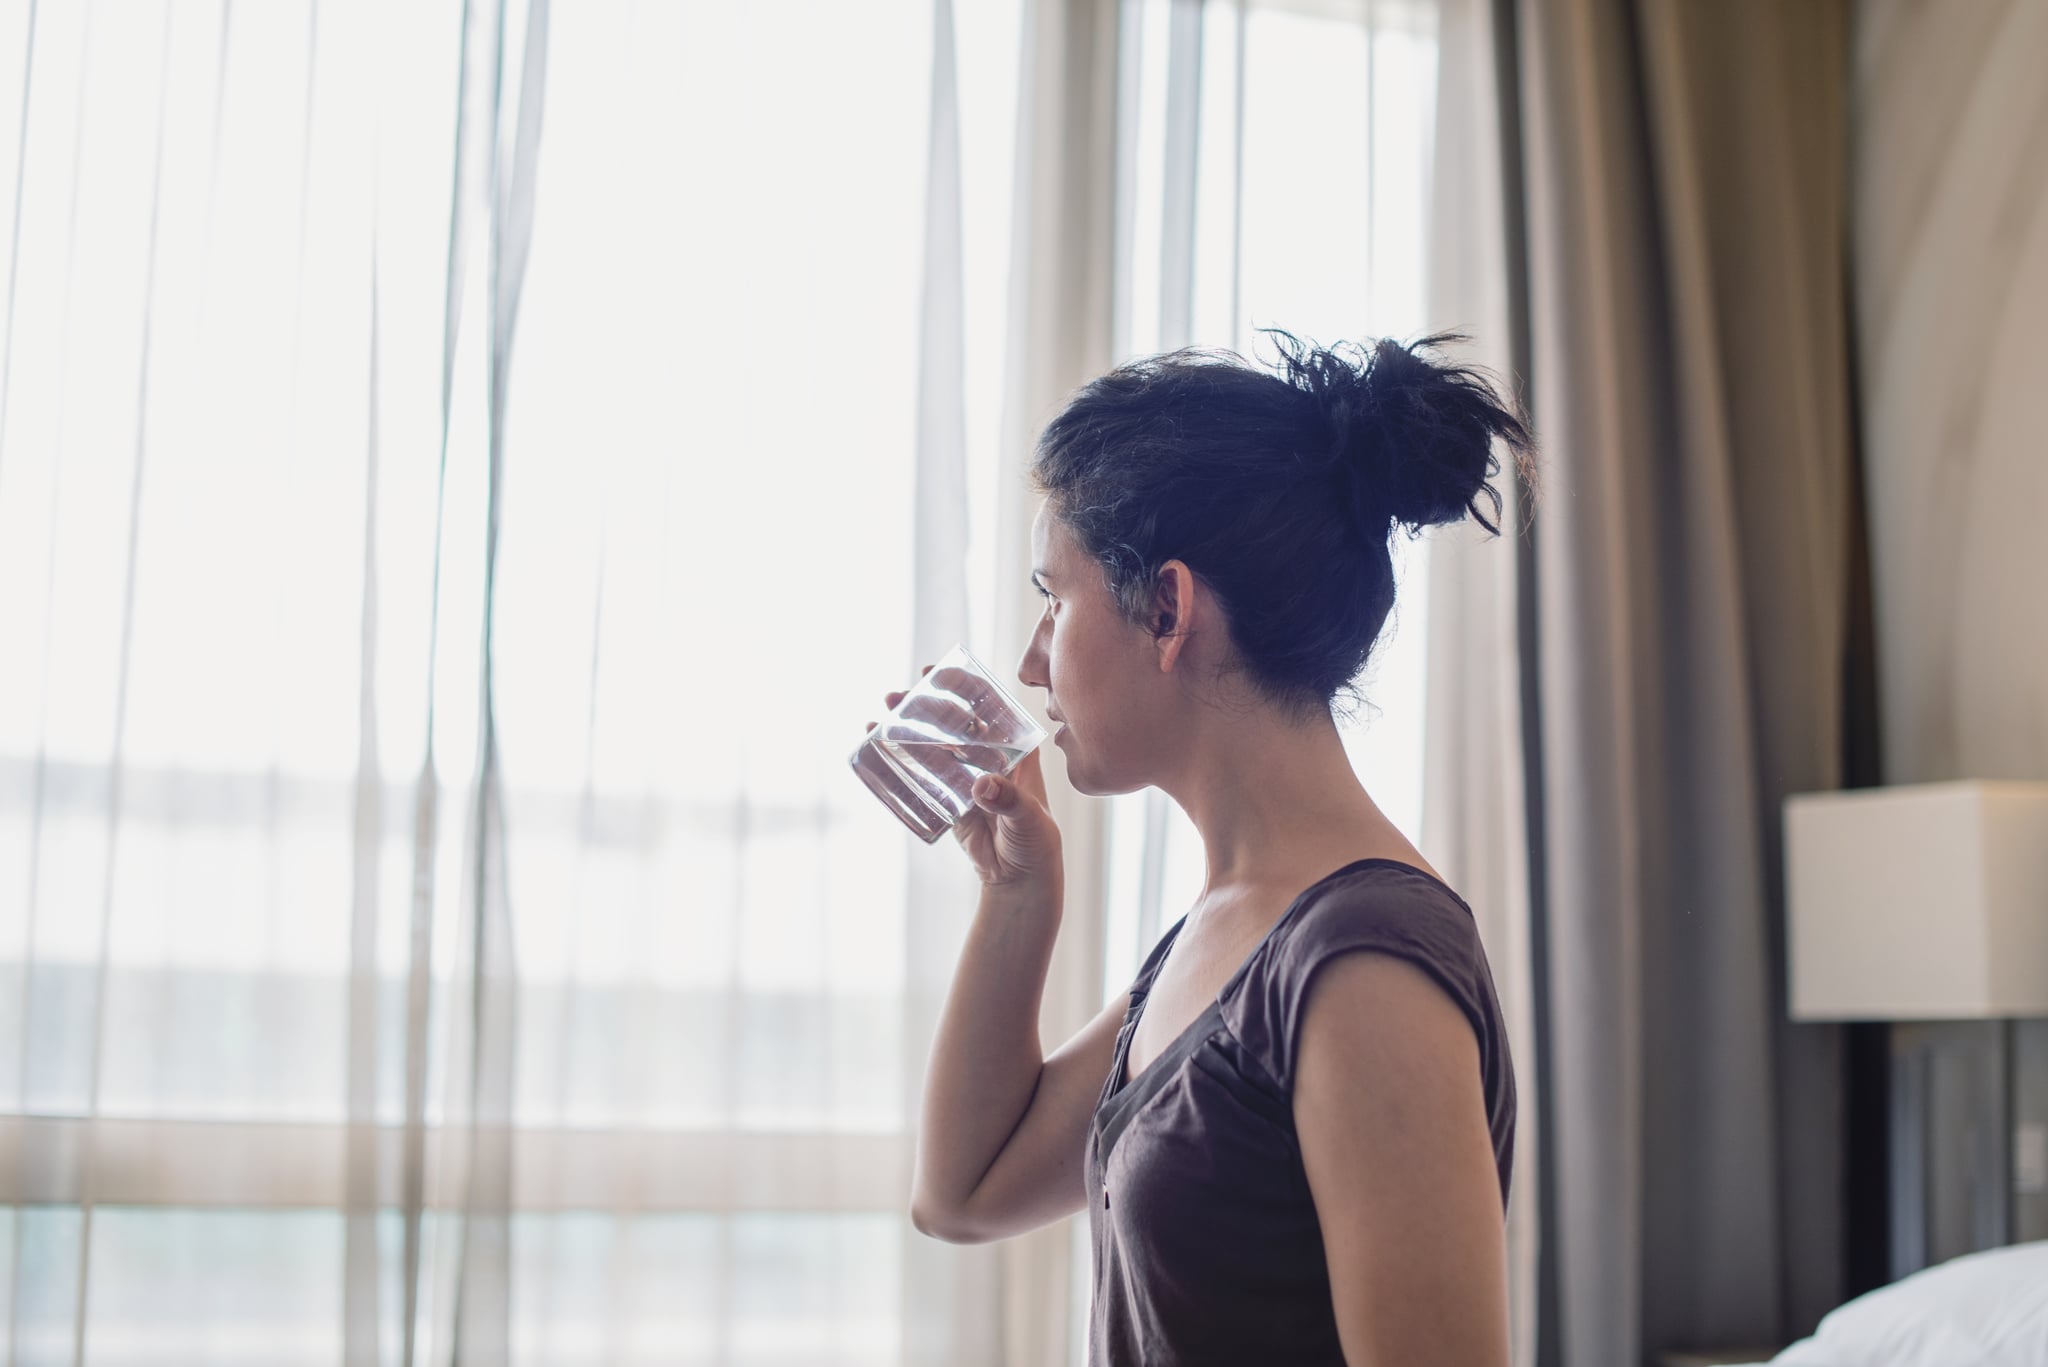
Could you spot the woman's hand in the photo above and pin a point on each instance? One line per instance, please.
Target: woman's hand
(1008, 833)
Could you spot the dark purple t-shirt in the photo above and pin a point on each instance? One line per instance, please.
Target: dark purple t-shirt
(1207, 1248)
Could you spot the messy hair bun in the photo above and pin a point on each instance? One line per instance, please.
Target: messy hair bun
(1280, 491)
(1414, 435)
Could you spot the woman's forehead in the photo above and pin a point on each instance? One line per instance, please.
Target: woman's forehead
(1047, 545)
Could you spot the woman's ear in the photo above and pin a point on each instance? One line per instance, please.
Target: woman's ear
(1173, 609)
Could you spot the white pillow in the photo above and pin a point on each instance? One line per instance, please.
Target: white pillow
(1986, 1309)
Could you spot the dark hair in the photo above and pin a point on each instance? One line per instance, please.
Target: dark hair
(1280, 491)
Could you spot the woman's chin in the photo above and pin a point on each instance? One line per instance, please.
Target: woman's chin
(1077, 778)
(1077, 782)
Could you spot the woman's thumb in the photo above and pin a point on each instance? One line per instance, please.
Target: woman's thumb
(991, 792)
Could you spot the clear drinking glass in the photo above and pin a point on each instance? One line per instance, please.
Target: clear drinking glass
(954, 725)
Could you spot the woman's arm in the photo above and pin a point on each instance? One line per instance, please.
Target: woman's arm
(1391, 1118)
(985, 1063)
(1003, 1130)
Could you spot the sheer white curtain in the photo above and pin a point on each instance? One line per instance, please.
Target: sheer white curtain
(256, 309)
(466, 473)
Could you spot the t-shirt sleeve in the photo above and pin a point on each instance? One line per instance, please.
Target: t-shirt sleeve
(1410, 918)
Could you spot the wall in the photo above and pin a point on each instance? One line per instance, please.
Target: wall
(1950, 242)
(1949, 195)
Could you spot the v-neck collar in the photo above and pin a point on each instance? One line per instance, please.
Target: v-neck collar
(1124, 1095)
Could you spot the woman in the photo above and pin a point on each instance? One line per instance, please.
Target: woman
(1293, 1133)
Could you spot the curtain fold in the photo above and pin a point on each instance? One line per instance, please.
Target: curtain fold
(1474, 807)
(1059, 320)
(362, 1316)
(1681, 173)
(88, 1167)
(949, 1296)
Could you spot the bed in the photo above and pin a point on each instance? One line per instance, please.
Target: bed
(1985, 1309)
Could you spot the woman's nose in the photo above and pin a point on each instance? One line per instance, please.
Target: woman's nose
(1025, 671)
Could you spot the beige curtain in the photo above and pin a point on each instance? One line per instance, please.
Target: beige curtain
(1674, 292)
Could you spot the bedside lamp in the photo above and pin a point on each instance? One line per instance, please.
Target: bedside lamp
(1927, 903)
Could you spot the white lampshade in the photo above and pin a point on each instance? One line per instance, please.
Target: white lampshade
(1927, 902)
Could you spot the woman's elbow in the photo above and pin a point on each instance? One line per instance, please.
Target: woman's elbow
(925, 1222)
(944, 1225)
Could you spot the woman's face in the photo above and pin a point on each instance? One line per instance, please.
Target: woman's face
(1098, 670)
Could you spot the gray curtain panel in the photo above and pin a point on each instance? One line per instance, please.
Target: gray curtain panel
(1676, 175)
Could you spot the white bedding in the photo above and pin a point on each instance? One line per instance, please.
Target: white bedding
(1981, 1310)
